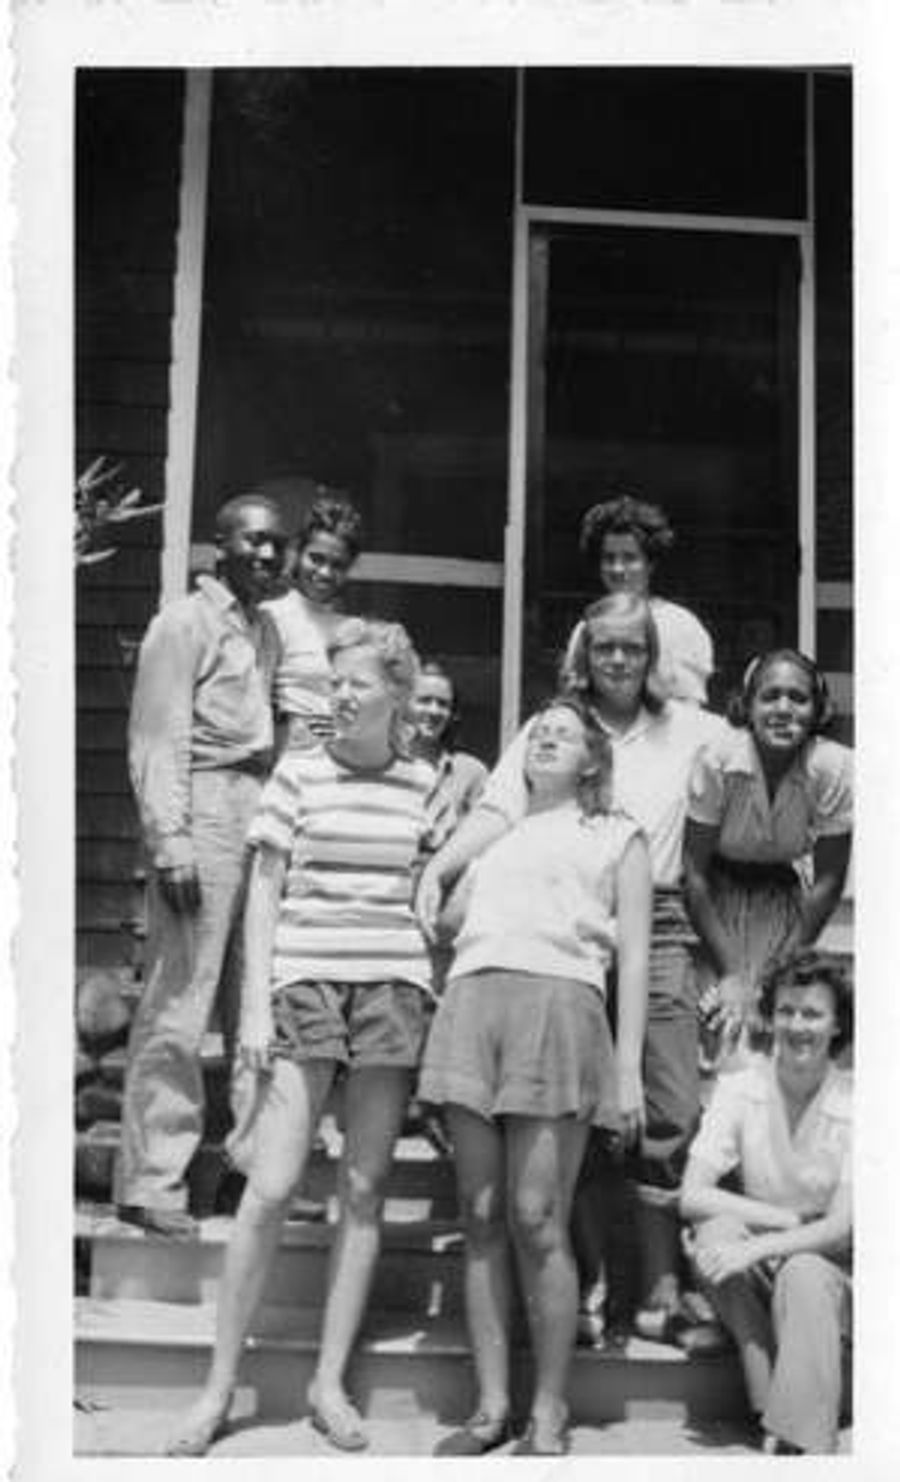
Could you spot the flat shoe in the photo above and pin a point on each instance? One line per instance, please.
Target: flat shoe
(172, 1224)
(480, 1434)
(196, 1440)
(542, 1439)
(339, 1424)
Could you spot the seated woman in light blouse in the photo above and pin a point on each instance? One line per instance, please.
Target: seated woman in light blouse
(775, 1251)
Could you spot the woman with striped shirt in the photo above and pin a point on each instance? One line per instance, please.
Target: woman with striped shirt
(336, 978)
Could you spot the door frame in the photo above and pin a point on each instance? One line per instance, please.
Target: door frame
(527, 217)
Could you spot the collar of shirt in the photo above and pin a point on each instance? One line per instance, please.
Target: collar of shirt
(222, 598)
(743, 759)
(257, 625)
(641, 723)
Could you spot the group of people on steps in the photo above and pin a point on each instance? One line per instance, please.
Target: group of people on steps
(596, 964)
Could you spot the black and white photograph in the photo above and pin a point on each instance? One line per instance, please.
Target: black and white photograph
(454, 1053)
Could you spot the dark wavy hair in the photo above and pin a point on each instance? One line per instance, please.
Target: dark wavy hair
(437, 671)
(331, 515)
(625, 514)
(740, 703)
(577, 676)
(800, 970)
(594, 785)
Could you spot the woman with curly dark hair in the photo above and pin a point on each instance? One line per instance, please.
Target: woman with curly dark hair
(768, 837)
(308, 615)
(622, 539)
(774, 1252)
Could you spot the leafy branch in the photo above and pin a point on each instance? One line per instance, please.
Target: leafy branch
(101, 503)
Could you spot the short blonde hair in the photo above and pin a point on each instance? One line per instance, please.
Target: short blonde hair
(391, 645)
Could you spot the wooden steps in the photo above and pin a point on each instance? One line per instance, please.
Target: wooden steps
(144, 1329)
(420, 1269)
(133, 1353)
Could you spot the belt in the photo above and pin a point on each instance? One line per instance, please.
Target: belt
(756, 872)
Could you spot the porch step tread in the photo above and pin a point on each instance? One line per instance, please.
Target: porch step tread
(191, 1325)
(96, 1224)
(119, 1431)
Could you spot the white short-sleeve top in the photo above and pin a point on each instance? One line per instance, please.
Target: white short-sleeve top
(543, 898)
(651, 769)
(745, 1129)
(302, 683)
(814, 799)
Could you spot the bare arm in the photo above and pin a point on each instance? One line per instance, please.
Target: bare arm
(634, 893)
(267, 874)
(700, 841)
(831, 859)
(776, 1231)
(703, 1199)
(478, 830)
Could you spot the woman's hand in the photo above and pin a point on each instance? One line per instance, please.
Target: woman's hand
(631, 1102)
(717, 1261)
(255, 1038)
(428, 900)
(724, 1009)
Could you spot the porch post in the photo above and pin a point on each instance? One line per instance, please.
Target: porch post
(514, 536)
(806, 597)
(187, 313)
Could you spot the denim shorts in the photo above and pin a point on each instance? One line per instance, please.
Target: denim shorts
(355, 1024)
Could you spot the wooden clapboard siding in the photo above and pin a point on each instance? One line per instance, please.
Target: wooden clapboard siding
(128, 132)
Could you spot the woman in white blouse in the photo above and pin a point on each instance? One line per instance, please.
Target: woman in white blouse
(774, 1246)
(622, 539)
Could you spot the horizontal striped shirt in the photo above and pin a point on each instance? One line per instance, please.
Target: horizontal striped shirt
(354, 839)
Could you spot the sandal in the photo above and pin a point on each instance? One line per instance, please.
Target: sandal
(544, 1437)
(480, 1434)
(340, 1423)
(195, 1439)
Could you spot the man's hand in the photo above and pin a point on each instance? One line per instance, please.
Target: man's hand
(180, 889)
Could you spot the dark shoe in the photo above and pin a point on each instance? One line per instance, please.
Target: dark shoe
(313, 1211)
(591, 1330)
(338, 1423)
(774, 1446)
(480, 1434)
(680, 1328)
(545, 1438)
(172, 1224)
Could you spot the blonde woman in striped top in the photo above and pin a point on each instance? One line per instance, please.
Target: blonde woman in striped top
(337, 975)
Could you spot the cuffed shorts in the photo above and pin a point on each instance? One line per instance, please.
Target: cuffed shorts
(518, 1044)
(355, 1024)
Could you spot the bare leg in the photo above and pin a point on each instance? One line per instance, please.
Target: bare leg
(544, 1158)
(375, 1104)
(284, 1133)
(481, 1174)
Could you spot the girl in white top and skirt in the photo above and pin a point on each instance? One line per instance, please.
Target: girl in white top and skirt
(520, 1054)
